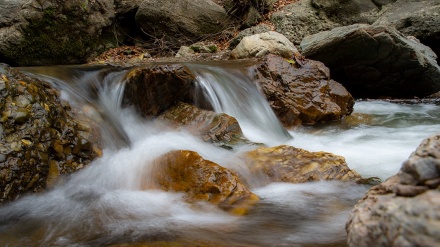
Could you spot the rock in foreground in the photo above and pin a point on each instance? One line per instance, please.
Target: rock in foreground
(200, 179)
(405, 209)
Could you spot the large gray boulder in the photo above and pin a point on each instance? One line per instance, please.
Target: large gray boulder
(259, 45)
(307, 17)
(180, 22)
(405, 209)
(420, 19)
(375, 61)
(54, 32)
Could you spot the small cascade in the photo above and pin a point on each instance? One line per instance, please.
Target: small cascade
(232, 92)
(105, 204)
(96, 91)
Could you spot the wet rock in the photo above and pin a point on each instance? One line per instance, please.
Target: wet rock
(181, 22)
(405, 209)
(301, 91)
(38, 132)
(295, 165)
(218, 128)
(200, 179)
(259, 45)
(375, 61)
(34, 32)
(154, 89)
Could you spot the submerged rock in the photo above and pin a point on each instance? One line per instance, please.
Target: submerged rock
(405, 209)
(218, 128)
(41, 137)
(294, 165)
(301, 91)
(200, 179)
(375, 61)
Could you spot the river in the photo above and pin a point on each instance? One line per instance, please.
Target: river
(103, 205)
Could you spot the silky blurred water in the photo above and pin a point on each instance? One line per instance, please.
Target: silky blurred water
(105, 203)
(377, 145)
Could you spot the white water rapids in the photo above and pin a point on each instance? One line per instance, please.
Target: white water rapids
(103, 204)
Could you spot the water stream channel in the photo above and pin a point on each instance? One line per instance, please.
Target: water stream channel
(103, 205)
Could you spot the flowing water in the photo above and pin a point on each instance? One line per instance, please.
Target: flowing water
(104, 204)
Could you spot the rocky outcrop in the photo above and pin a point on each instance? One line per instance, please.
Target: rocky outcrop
(156, 88)
(295, 165)
(347, 12)
(259, 45)
(405, 209)
(40, 136)
(35, 32)
(301, 91)
(181, 22)
(375, 61)
(218, 128)
(200, 179)
(300, 19)
(420, 19)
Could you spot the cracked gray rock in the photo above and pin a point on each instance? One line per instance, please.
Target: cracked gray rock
(375, 61)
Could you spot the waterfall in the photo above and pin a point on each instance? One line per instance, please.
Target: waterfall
(95, 91)
(231, 91)
(98, 92)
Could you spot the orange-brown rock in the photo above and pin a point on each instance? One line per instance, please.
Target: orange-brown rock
(294, 165)
(300, 91)
(153, 89)
(200, 179)
(213, 127)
